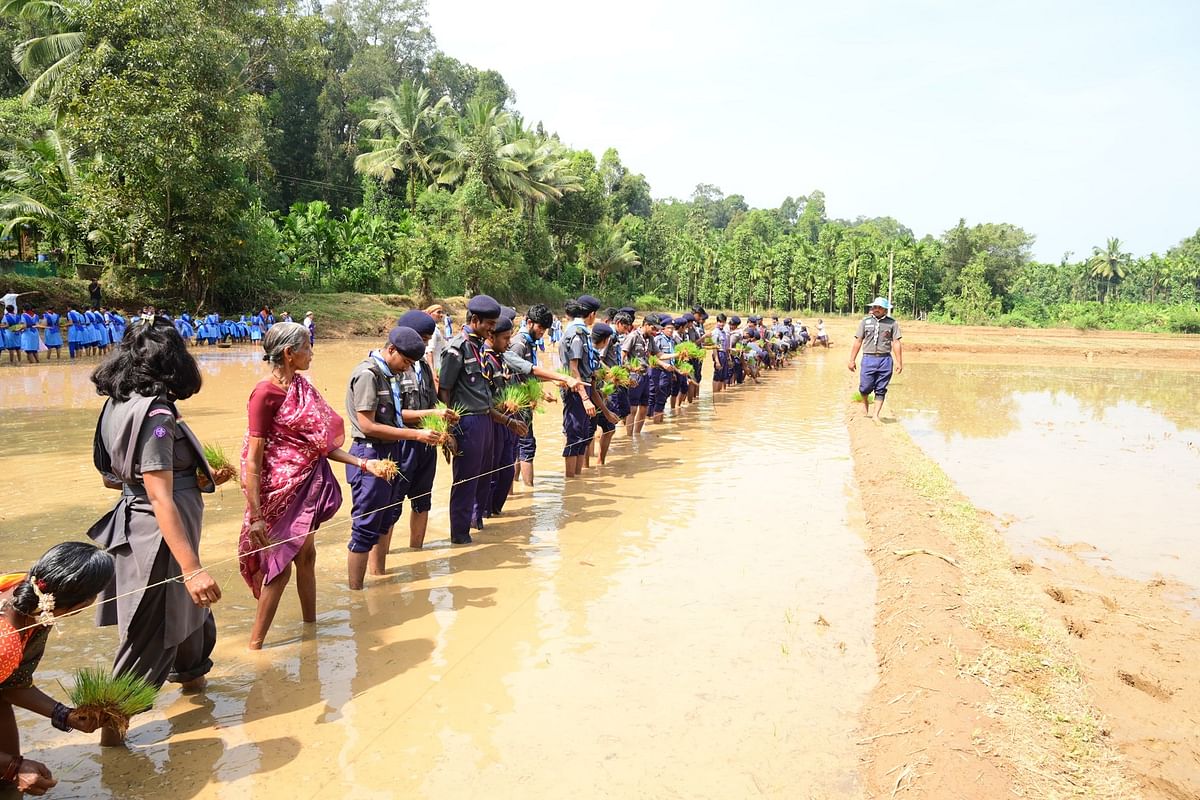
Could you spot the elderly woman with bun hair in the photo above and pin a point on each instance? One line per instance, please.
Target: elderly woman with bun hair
(290, 489)
(161, 596)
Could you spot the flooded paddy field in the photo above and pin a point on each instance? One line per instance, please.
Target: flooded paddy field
(1083, 454)
(1103, 459)
(693, 620)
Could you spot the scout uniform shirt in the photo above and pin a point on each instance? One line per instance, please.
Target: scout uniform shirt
(877, 335)
(576, 345)
(465, 374)
(373, 387)
(635, 346)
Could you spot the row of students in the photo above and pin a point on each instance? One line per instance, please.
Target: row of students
(30, 332)
(166, 626)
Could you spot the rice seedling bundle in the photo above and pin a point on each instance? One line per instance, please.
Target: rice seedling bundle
(388, 469)
(636, 365)
(620, 377)
(687, 369)
(653, 362)
(112, 698)
(858, 398)
(534, 395)
(606, 389)
(219, 463)
(688, 351)
(437, 424)
(513, 399)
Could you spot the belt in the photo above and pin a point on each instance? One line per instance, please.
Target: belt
(877, 355)
(181, 483)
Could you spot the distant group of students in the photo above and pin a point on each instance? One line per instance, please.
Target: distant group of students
(145, 567)
(92, 331)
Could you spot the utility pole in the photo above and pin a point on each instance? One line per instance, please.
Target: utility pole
(891, 267)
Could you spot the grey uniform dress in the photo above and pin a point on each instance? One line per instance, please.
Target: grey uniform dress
(164, 635)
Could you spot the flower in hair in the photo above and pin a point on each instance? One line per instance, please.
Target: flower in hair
(45, 615)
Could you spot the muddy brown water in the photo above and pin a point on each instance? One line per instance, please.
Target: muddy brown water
(652, 631)
(1106, 460)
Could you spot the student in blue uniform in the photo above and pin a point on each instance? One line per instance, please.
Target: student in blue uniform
(466, 385)
(418, 460)
(720, 356)
(504, 439)
(76, 338)
(54, 339)
(639, 344)
(607, 353)
(11, 338)
(619, 401)
(522, 358)
(374, 404)
(663, 376)
(30, 339)
(580, 359)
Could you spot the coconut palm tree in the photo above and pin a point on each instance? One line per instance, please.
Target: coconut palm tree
(38, 184)
(610, 254)
(1109, 265)
(409, 138)
(42, 60)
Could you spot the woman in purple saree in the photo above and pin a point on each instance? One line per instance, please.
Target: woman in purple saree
(290, 489)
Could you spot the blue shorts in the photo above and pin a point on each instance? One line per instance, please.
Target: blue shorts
(418, 465)
(875, 374)
(577, 426)
(699, 369)
(527, 445)
(639, 393)
(661, 389)
(602, 421)
(377, 503)
(619, 402)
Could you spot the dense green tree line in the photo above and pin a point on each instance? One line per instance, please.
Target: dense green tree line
(222, 150)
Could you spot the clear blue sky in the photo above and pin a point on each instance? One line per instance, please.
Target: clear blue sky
(1077, 121)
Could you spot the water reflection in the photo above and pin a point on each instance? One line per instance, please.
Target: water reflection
(1107, 457)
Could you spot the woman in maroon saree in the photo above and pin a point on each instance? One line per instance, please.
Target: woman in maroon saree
(290, 489)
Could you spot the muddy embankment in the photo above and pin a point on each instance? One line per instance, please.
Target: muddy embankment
(1002, 677)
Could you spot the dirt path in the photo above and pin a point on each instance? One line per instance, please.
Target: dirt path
(1000, 678)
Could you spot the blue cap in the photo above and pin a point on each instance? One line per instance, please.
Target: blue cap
(630, 310)
(678, 321)
(601, 330)
(787, 320)
(407, 341)
(688, 317)
(666, 319)
(508, 311)
(483, 306)
(735, 321)
(503, 324)
(589, 302)
(419, 321)
(882, 303)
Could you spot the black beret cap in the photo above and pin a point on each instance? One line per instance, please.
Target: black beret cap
(419, 321)
(735, 321)
(407, 341)
(483, 306)
(503, 325)
(589, 302)
(508, 312)
(601, 330)
(630, 310)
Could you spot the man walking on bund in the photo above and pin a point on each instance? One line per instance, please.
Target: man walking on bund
(878, 337)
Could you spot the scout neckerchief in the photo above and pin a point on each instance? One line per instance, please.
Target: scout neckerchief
(476, 345)
(393, 383)
(592, 357)
(532, 346)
